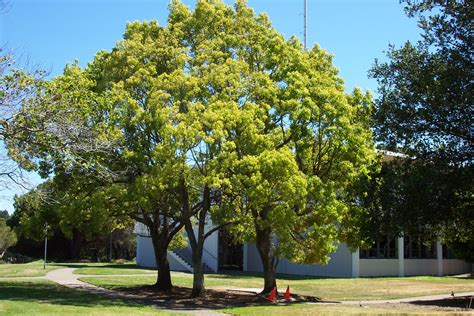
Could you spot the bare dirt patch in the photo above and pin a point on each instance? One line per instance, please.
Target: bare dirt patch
(212, 299)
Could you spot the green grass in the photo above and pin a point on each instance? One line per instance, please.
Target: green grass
(325, 288)
(337, 309)
(31, 269)
(39, 297)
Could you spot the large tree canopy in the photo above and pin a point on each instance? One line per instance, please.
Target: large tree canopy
(425, 109)
(215, 115)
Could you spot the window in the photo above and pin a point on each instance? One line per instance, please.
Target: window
(447, 254)
(385, 247)
(416, 249)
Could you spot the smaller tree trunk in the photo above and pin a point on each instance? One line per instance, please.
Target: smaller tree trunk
(263, 244)
(76, 244)
(198, 276)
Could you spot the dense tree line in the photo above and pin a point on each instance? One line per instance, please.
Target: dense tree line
(425, 110)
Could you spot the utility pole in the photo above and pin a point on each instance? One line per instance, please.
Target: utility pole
(45, 244)
(305, 23)
(110, 247)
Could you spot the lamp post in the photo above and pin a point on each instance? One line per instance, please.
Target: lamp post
(45, 244)
(110, 247)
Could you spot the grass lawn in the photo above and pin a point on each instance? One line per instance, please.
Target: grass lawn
(325, 288)
(326, 309)
(31, 269)
(39, 297)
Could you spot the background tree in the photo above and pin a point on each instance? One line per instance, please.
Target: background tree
(75, 208)
(16, 85)
(7, 237)
(425, 110)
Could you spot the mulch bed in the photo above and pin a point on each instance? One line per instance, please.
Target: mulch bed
(212, 299)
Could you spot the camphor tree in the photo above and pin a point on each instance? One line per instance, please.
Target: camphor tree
(298, 143)
(425, 110)
(217, 116)
(278, 140)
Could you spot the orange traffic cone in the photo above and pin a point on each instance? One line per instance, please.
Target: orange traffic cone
(271, 296)
(287, 294)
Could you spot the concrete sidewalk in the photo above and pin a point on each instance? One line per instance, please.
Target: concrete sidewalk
(67, 278)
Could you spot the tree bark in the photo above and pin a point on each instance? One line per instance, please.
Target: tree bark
(198, 276)
(75, 244)
(163, 280)
(263, 244)
(197, 242)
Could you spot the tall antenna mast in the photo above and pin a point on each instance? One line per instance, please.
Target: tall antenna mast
(304, 29)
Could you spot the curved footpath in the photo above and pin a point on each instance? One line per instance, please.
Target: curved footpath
(66, 277)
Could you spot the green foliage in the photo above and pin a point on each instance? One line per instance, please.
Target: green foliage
(69, 205)
(7, 237)
(425, 110)
(214, 115)
(425, 103)
(4, 214)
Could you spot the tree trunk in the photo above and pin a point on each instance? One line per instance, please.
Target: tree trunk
(198, 276)
(263, 245)
(197, 242)
(75, 244)
(163, 281)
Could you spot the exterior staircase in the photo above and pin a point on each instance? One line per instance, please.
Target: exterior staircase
(187, 257)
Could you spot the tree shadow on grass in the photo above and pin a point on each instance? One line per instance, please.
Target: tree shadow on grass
(456, 302)
(49, 293)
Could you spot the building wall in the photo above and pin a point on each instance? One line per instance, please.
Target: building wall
(146, 255)
(421, 267)
(412, 267)
(211, 250)
(145, 252)
(454, 266)
(378, 267)
(340, 264)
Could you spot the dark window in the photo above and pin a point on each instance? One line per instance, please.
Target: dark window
(385, 247)
(447, 254)
(230, 253)
(416, 249)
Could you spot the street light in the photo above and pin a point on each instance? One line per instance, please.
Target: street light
(45, 243)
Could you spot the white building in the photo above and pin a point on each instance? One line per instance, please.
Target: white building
(383, 259)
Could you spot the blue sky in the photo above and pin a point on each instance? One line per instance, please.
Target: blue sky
(50, 33)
